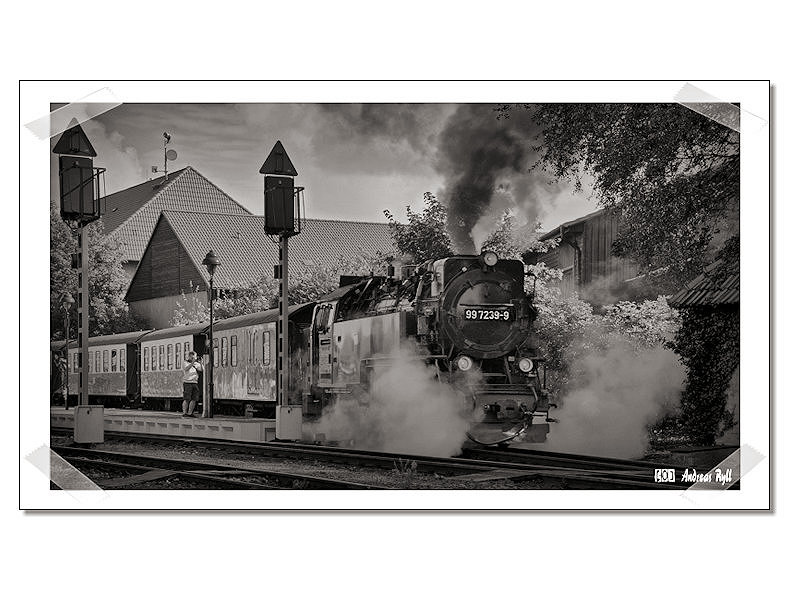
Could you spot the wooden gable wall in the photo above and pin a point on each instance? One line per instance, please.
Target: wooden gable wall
(166, 268)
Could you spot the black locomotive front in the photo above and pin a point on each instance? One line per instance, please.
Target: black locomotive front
(484, 320)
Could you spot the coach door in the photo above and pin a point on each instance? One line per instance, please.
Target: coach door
(132, 372)
(321, 344)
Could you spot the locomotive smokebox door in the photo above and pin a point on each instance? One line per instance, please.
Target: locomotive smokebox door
(278, 204)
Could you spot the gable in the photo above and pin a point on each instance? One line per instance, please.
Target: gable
(165, 268)
(138, 208)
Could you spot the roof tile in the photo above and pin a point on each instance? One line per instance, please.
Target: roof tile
(131, 214)
(246, 252)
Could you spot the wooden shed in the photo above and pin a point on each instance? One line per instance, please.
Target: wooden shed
(585, 257)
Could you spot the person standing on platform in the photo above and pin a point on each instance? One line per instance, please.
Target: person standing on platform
(192, 370)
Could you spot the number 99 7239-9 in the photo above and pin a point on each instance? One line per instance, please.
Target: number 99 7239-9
(487, 314)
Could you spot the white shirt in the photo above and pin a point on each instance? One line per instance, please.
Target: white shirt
(191, 371)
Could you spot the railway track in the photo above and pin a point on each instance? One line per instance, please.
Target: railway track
(131, 470)
(569, 471)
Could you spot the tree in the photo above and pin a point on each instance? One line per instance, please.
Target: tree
(109, 313)
(671, 174)
(513, 240)
(425, 235)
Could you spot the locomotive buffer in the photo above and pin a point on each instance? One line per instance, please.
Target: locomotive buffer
(283, 218)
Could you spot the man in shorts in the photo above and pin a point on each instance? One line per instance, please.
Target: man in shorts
(192, 370)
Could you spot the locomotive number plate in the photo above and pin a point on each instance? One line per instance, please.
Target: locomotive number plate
(493, 315)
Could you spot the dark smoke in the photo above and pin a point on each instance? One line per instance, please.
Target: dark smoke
(482, 158)
(393, 122)
(486, 163)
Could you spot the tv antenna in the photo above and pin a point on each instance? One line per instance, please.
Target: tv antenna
(169, 154)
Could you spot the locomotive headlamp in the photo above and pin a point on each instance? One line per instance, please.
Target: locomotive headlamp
(464, 363)
(490, 258)
(525, 365)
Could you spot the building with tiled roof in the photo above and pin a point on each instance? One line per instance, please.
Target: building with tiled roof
(172, 261)
(131, 214)
(716, 286)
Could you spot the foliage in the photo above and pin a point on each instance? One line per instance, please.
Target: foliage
(708, 344)
(671, 173)
(306, 283)
(109, 313)
(512, 240)
(425, 235)
(568, 328)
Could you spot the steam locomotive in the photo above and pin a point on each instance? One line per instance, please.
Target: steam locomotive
(468, 318)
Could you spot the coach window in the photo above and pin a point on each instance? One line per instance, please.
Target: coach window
(216, 353)
(224, 351)
(75, 361)
(113, 361)
(97, 362)
(161, 362)
(234, 344)
(105, 361)
(122, 360)
(267, 348)
(153, 358)
(169, 357)
(178, 355)
(249, 346)
(146, 366)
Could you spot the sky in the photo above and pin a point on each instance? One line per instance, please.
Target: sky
(353, 160)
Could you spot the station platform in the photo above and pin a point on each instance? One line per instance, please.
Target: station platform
(174, 424)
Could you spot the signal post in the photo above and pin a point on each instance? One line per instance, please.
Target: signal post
(282, 213)
(79, 204)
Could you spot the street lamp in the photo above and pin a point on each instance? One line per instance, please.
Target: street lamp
(211, 262)
(66, 301)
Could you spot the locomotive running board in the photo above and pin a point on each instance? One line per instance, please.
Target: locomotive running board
(508, 438)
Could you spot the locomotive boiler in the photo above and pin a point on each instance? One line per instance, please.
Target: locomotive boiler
(467, 317)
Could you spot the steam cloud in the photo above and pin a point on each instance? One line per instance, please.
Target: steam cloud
(620, 392)
(409, 412)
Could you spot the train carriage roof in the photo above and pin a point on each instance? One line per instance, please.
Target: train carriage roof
(262, 317)
(124, 338)
(175, 331)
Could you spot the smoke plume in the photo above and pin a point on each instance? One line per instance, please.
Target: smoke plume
(619, 392)
(409, 411)
(487, 165)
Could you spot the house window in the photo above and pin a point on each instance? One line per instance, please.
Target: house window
(178, 355)
(122, 360)
(234, 344)
(145, 359)
(114, 361)
(106, 361)
(76, 361)
(224, 351)
(169, 357)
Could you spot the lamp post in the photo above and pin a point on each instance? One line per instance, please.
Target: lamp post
(66, 301)
(211, 262)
